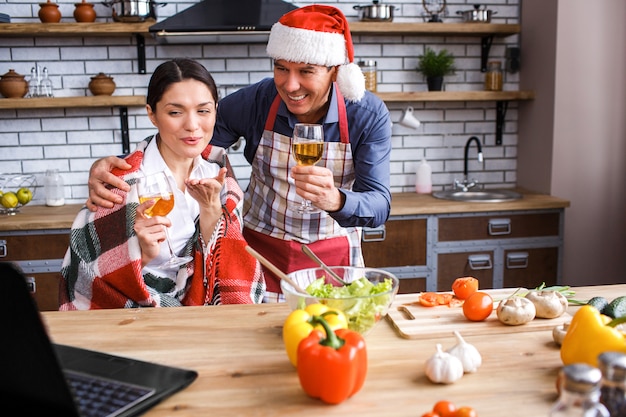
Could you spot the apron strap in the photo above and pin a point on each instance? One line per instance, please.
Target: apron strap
(271, 116)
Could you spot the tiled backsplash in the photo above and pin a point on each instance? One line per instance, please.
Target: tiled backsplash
(33, 140)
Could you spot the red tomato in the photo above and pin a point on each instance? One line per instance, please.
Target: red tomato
(428, 299)
(430, 414)
(464, 287)
(465, 412)
(444, 298)
(445, 409)
(478, 306)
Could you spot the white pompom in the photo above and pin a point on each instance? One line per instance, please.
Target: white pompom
(351, 82)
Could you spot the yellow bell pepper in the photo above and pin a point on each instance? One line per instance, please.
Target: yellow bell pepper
(589, 335)
(299, 324)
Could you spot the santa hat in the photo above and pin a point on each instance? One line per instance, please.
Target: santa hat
(319, 35)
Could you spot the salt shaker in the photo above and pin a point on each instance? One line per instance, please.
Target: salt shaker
(55, 192)
(613, 390)
(580, 392)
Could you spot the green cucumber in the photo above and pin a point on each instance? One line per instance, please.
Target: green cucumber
(600, 303)
(616, 308)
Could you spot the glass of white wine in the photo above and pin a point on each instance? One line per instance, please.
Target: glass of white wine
(157, 187)
(308, 147)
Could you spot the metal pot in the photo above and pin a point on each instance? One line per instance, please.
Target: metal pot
(133, 10)
(478, 15)
(375, 12)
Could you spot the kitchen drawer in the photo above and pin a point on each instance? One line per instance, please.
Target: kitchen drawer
(27, 246)
(452, 229)
(528, 268)
(451, 266)
(401, 242)
(45, 290)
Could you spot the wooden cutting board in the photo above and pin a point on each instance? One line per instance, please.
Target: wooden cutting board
(413, 321)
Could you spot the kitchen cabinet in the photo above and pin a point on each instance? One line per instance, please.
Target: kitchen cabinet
(502, 249)
(39, 253)
(399, 247)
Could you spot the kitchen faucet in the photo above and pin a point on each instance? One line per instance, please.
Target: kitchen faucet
(466, 184)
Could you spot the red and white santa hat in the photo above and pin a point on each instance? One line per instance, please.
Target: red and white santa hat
(319, 35)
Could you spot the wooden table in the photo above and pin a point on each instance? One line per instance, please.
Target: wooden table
(244, 371)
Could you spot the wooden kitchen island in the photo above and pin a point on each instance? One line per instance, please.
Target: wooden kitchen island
(244, 370)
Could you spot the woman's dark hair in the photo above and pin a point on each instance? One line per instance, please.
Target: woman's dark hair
(175, 71)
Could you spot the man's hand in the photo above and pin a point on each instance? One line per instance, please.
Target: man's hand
(317, 185)
(99, 177)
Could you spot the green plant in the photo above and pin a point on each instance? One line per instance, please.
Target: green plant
(436, 64)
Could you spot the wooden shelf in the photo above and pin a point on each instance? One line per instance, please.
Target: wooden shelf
(432, 29)
(69, 102)
(74, 29)
(457, 96)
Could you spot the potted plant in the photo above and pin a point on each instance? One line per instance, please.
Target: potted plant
(434, 65)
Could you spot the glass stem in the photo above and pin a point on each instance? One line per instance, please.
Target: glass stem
(169, 243)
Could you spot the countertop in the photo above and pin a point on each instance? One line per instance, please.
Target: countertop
(43, 217)
(244, 370)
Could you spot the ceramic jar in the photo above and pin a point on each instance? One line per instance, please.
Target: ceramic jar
(84, 12)
(49, 12)
(13, 85)
(101, 85)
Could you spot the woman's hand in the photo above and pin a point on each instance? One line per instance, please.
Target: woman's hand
(317, 185)
(99, 177)
(150, 232)
(207, 192)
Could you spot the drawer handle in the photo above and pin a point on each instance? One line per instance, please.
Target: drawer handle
(517, 260)
(499, 227)
(482, 261)
(32, 285)
(374, 234)
(3, 248)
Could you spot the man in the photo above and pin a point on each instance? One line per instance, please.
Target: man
(315, 81)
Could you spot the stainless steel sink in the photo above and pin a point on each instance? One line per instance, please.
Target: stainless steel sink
(479, 196)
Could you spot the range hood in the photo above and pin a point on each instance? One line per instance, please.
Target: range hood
(222, 21)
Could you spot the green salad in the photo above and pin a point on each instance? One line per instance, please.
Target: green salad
(357, 300)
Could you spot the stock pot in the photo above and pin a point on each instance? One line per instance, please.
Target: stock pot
(477, 14)
(133, 10)
(375, 12)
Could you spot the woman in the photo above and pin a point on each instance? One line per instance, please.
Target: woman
(114, 254)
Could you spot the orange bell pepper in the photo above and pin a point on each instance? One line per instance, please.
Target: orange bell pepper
(332, 367)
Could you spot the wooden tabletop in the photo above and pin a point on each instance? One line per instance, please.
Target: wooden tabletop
(244, 370)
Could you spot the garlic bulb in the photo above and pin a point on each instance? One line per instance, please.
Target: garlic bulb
(443, 368)
(466, 353)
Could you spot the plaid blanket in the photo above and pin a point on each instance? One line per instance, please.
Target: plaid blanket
(102, 267)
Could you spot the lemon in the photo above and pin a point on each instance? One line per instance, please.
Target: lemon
(9, 200)
(24, 195)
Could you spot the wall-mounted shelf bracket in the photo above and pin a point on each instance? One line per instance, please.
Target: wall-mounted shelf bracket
(125, 134)
(501, 107)
(141, 53)
(485, 46)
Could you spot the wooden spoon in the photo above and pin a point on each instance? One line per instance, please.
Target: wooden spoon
(321, 263)
(280, 274)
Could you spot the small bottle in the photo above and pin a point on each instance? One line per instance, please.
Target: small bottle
(55, 191)
(580, 392)
(423, 180)
(33, 83)
(493, 77)
(369, 71)
(45, 86)
(613, 390)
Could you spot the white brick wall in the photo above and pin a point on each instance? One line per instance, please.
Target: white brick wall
(34, 140)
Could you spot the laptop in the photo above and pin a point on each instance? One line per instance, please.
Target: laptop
(38, 377)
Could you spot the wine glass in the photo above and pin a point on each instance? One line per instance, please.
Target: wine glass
(157, 187)
(308, 147)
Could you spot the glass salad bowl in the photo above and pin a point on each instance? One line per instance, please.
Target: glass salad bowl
(16, 190)
(364, 302)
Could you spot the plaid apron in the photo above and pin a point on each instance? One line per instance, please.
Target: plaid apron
(278, 232)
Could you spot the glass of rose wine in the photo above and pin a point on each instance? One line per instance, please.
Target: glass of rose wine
(308, 147)
(157, 187)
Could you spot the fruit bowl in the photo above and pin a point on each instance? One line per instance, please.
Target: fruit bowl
(16, 190)
(362, 308)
